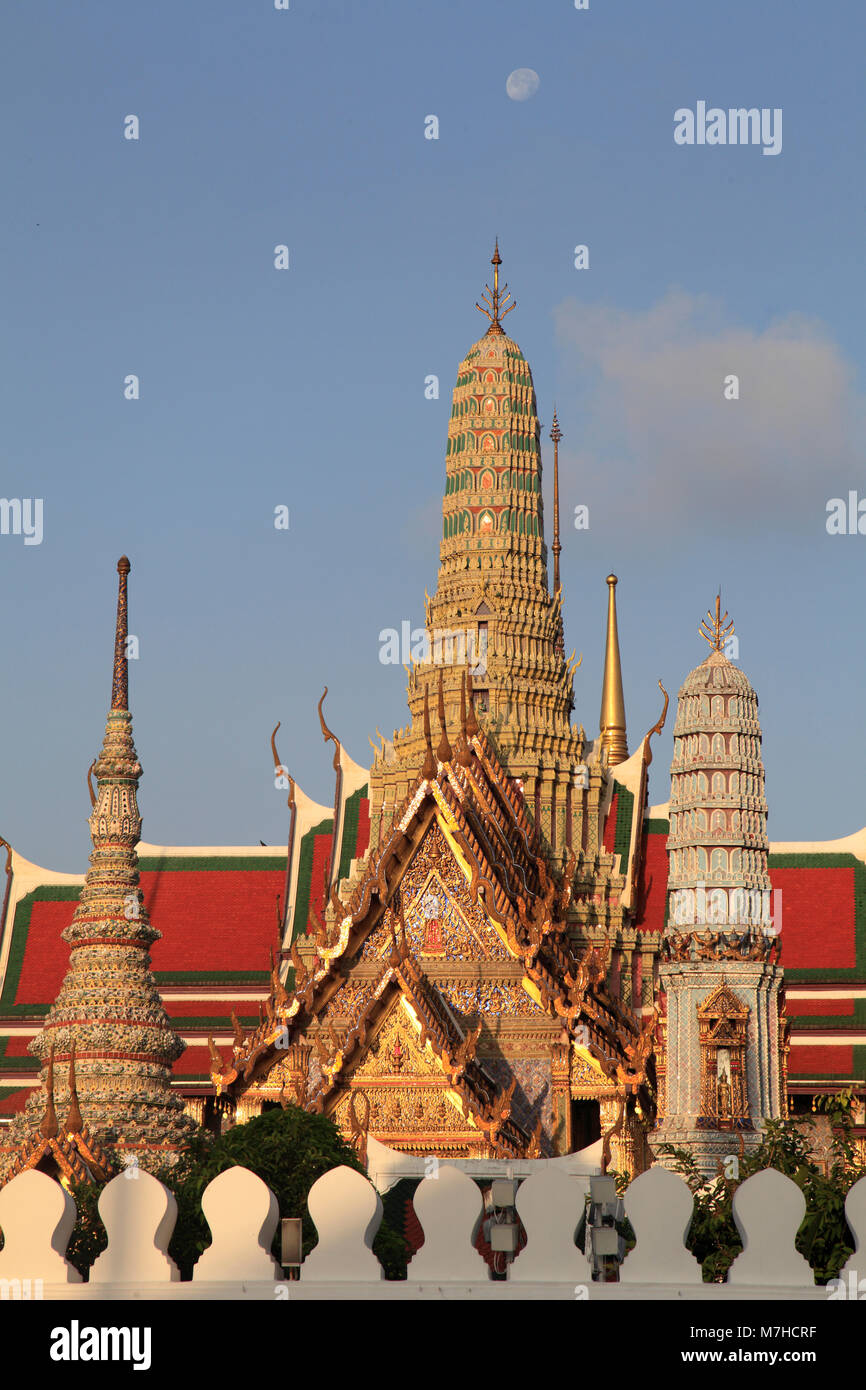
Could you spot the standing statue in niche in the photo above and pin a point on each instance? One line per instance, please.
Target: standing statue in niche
(723, 1085)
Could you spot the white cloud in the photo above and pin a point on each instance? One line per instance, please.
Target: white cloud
(660, 439)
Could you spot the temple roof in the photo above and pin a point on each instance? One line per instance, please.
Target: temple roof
(466, 793)
(217, 905)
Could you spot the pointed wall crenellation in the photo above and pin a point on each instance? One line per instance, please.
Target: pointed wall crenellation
(37, 1218)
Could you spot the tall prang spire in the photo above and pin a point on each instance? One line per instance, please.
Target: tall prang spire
(612, 722)
(493, 616)
(108, 1021)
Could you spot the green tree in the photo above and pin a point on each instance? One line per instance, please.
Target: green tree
(288, 1149)
(824, 1238)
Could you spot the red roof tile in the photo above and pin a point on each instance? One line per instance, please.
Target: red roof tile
(819, 1008)
(818, 917)
(653, 881)
(46, 958)
(610, 824)
(14, 1103)
(814, 1060)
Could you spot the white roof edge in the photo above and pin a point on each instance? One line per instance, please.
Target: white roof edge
(848, 844)
(627, 773)
(354, 775)
(26, 873)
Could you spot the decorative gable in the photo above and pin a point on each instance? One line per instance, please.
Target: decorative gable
(441, 918)
(722, 1003)
(402, 1096)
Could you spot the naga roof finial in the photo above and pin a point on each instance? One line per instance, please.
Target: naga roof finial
(472, 725)
(328, 735)
(429, 768)
(464, 757)
(74, 1122)
(48, 1127)
(443, 752)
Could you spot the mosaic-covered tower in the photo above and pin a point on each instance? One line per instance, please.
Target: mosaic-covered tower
(108, 1013)
(493, 611)
(719, 1050)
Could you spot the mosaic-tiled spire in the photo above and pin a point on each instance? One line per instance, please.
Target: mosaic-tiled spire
(493, 612)
(108, 1011)
(718, 816)
(719, 1061)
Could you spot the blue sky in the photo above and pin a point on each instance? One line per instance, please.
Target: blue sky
(306, 387)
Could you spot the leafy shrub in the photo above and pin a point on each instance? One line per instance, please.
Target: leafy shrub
(288, 1149)
(824, 1238)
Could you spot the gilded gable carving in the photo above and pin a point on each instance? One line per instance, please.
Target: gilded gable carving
(441, 918)
(396, 1052)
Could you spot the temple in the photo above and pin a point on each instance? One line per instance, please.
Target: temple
(490, 946)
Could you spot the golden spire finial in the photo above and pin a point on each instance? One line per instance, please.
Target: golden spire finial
(713, 629)
(612, 723)
(494, 301)
(556, 435)
(120, 680)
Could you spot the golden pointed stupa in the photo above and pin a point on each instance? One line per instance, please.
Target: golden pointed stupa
(612, 722)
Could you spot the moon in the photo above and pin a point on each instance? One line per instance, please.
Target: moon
(522, 84)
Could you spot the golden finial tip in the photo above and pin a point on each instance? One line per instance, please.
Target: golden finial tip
(716, 628)
(123, 565)
(612, 580)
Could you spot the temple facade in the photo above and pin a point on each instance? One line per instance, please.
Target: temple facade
(489, 946)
